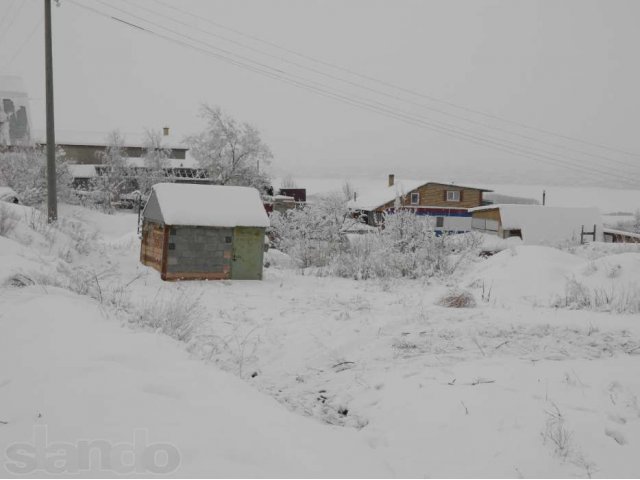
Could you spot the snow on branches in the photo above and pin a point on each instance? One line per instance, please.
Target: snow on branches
(232, 153)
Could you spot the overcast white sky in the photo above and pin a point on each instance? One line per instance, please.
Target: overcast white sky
(565, 66)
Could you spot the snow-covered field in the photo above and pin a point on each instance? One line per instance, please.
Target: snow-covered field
(300, 375)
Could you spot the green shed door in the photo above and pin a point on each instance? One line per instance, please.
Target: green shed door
(248, 248)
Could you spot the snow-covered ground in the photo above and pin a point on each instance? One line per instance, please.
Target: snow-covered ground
(322, 376)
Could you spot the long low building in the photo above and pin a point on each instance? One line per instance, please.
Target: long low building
(538, 224)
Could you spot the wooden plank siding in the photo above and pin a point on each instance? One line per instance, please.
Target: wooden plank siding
(153, 243)
(492, 214)
(435, 195)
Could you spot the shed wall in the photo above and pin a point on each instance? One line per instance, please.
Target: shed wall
(199, 253)
(248, 253)
(152, 245)
(152, 210)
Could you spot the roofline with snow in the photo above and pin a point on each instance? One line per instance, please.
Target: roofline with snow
(105, 144)
(370, 208)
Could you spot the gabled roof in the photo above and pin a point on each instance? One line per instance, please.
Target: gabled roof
(206, 205)
(381, 196)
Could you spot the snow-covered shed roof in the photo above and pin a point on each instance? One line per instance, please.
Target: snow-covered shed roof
(372, 199)
(206, 205)
(542, 224)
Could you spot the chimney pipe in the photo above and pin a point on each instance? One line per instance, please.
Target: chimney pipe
(391, 179)
(165, 131)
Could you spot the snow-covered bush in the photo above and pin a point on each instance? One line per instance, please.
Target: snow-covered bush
(178, 314)
(312, 235)
(456, 298)
(8, 219)
(24, 170)
(407, 245)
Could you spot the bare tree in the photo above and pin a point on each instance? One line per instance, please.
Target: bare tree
(232, 153)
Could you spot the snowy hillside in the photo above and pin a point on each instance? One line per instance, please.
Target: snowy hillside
(305, 375)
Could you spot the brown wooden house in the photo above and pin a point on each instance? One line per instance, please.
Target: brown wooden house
(448, 203)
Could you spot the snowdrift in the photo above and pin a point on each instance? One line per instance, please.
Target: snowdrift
(85, 377)
(542, 275)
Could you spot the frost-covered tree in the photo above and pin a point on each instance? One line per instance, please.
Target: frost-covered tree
(405, 246)
(115, 176)
(232, 153)
(156, 161)
(24, 170)
(314, 233)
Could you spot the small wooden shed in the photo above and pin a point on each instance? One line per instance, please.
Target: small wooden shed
(204, 232)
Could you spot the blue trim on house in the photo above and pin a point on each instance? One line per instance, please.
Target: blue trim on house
(436, 211)
(441, 213)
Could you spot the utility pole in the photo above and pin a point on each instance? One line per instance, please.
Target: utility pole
(52, 200)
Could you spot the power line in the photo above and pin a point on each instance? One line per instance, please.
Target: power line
(384, 110)
(24, 44)
(395, 86)
(8, 21)
(392, 114)
(361, 86)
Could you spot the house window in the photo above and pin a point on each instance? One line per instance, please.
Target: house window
(453, 195)
(415, 198)
(439, 222)
(227, 239)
